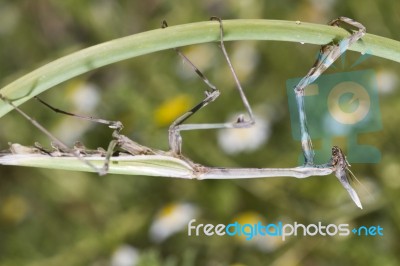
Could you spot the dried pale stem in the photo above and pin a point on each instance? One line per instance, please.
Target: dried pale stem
(155, 165)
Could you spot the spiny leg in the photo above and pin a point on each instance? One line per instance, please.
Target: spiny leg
(327, 55)
(52, 137)
(174, 137)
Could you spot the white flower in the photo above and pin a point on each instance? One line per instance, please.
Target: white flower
(125, 255)
(237, 140)
(387, 81)
(172, 219)
(86, 97)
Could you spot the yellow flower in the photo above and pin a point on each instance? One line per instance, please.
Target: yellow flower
(172, 109)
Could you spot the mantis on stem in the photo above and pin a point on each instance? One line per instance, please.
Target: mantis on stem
(173, 163)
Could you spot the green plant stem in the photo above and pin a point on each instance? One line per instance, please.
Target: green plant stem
(113, 51)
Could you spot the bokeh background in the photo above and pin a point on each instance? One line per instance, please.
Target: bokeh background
(50, 217)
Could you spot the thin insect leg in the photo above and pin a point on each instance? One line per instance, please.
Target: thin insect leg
(51, 136)
(174, 136)
(110, 151)
(117, 125)
(327, 55)
(175, 139)
(243, 123)
(187, 60)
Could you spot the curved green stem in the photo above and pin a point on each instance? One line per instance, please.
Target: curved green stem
(106, 53)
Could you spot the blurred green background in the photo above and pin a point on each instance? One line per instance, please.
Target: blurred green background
(50, 217)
